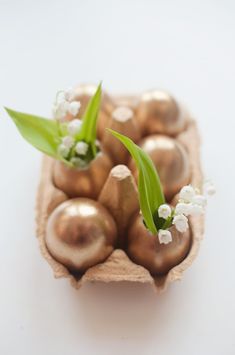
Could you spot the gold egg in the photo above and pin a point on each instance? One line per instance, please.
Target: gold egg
(158, 112)
(84, 93)
(171, 161)
(80, 233)
(144, 248)
(83, 182)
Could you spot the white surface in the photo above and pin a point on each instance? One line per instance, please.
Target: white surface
(184, 46)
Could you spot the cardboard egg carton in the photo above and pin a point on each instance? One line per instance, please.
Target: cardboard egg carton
(122, 205)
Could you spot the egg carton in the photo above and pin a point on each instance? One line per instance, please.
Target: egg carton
(122, 206)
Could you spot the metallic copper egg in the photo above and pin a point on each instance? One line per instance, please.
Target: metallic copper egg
(158, 112)
(144, 248)
(80, 233)
(84, 93)
(84, 182)
(171, 161)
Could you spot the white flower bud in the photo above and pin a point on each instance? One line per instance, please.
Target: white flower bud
(68, 141)
(60, 96)
(196, 210)
(74, 107)
(78, 162)
(69, 94)
(81, 148)
(199, 200)
(180, 222)
(164, 211)
(209, 188)
(74, 127)
(182, 208)
(60, 109)
(164, 236)
(63, 104)
(63, 150)
(187, 193)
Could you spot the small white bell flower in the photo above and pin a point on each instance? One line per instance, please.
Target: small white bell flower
(69, 94)
(74, 107)
(81, 148)
(209, 188)
(64, 104)
(68, 141)
(187, 193)
(164, 211)
(164, 236)
(196, 210)
(60, 96)
(60, 110)
(199, 200)
(78, 162)
(63, 150)
(182, 208)
(74, 127)
(180, 222)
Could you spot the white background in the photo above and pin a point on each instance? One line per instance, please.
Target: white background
(186, 47)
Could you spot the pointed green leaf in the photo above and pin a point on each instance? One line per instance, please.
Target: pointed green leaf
(89, 121)
(42, 133)
(149, 185)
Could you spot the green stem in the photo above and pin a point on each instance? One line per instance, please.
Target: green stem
(168, 221)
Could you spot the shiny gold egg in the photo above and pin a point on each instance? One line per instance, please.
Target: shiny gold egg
(171, 161)
(144, 248)
(83, 182)
(80, 234)
(84, 93)
(158, 112)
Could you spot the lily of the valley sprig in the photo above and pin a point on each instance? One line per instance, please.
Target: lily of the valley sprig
(64, 104)
(158, 216)
(72, 142)
(191, 203)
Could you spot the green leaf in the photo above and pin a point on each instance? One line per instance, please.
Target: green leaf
(89, 121)
(149, 185)
(42, 133)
